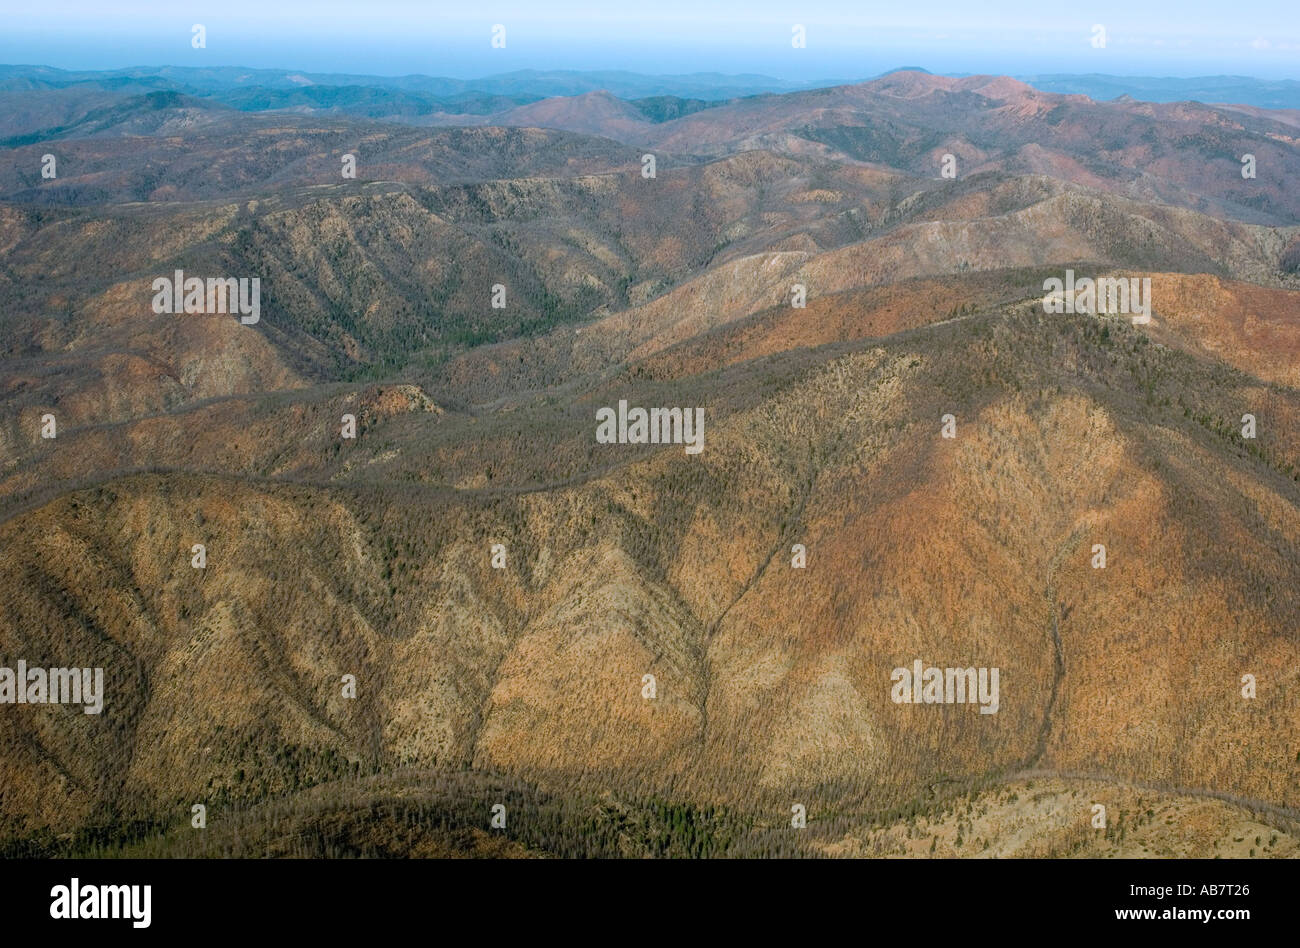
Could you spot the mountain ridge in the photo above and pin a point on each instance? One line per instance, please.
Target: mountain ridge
(363, 568)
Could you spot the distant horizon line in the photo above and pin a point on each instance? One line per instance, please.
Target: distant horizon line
(652, 75)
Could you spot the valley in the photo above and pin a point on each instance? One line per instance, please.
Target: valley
(917, 464)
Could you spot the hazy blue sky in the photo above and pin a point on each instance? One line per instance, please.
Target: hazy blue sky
(845, 39)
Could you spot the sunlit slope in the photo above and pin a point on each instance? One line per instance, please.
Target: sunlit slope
(225, 683)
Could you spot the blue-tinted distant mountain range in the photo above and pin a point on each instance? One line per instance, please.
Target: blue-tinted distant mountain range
(261, 89)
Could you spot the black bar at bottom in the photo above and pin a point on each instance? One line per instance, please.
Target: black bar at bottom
(656, 899)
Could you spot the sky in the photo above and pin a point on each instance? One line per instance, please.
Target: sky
(845, 40)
